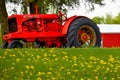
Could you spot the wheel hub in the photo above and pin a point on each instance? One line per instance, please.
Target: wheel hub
(85, 37)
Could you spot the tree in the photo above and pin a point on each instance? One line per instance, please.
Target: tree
(98, 20)
(3, 17)
(116, 19)
(44, 6)
(108, 19)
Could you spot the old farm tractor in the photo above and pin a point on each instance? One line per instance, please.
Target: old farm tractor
(50, 30)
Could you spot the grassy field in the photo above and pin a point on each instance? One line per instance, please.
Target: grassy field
(60, 64)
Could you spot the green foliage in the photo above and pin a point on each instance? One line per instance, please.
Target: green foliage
(60, 64)
(116, 19)
(108, 19)
(45, 5)
(98, 19)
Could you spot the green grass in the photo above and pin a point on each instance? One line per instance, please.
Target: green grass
(60, 64)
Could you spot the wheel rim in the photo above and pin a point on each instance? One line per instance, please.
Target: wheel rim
(86, 36)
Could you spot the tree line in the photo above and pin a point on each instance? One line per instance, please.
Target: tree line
(108, 19)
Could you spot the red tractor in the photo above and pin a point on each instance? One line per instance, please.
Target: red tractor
(50, 30)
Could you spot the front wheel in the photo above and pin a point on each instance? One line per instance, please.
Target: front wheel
(83, 32)
(4, 45)
(15, 44)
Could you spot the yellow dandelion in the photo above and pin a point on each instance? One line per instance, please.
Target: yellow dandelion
(67, 60)
(45, 55)
(27, 67)
(31, 73)
(116, 69)
(13, 63)
(95, 70)
(61, 68)
(53, 78)
(56, 59)
(73, 77)
(49, 73)
(91, 57)
(74, 64)
(64, 52)
(82, 65)
(89, 66)
(32, 55)
(66, 56)
(113, 78)
(50, 68)
(68, 73)
(12, 68)
(101, 61)
(81, 79)
(38, 78)
(26, 71)
(74, 58)
(111, 59)
(13, 55)
(96, 77)
(76, 70)
(39, 73)
(38, 57)
(21, 72)
(107, 69)
(32, 67)
(118, 77)
(18, 59)
(29, 59)
(3, 57)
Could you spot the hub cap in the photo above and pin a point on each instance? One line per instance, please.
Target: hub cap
(86, 36)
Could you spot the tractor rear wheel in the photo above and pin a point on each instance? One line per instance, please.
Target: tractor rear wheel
(15, 44)
(83, 32)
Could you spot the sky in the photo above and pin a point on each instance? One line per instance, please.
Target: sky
(110, 7)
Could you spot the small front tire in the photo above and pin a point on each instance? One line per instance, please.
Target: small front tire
(4, 45)
(15, 44)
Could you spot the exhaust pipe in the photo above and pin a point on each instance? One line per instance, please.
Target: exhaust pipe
(28, 9)
(28, 6)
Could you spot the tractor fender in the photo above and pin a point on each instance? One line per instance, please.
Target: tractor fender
(68, 22)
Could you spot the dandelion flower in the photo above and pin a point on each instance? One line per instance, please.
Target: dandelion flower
(27, 67)
(32, 67)
(111, 59)
(68, 73)
(49, 73)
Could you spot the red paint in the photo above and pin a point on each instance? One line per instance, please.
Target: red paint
(111, 40)
(41, 27)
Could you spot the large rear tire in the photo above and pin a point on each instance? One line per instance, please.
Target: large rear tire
(15, 44)
(83, 32)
